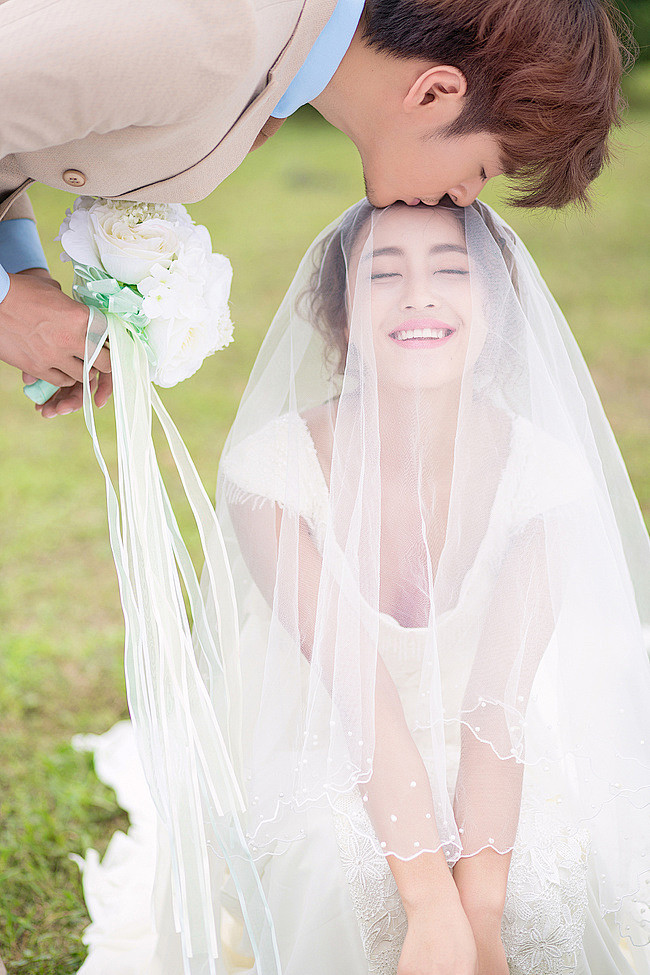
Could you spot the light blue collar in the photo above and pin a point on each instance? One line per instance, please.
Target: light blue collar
(323, 59)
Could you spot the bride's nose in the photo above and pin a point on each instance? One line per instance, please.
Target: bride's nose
(420, 295)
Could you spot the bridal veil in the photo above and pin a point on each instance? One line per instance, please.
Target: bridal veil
(420, 449)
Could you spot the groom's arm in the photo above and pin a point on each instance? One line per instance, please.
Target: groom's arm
(91, 83)
(35, 344)
(49, 343)
(73, 73)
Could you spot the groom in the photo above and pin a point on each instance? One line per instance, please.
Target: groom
(160, 100)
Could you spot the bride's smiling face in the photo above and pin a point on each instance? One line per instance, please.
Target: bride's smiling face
(416, 264)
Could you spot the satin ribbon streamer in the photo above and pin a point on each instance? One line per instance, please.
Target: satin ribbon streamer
(183, 680)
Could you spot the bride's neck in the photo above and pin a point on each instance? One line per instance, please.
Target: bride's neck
(418, 430)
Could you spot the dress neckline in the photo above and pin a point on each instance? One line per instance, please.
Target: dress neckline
(481, 551)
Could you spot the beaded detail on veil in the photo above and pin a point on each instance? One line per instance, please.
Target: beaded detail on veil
(546, 901)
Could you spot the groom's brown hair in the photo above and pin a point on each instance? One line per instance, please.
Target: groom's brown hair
(542, 75)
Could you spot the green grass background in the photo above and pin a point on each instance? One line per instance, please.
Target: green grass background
(61, 624)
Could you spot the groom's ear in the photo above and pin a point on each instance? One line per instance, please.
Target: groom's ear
(436, 95)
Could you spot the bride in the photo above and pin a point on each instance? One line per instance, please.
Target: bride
(440, 569)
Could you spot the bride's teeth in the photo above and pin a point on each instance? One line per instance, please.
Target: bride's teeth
(422, 333)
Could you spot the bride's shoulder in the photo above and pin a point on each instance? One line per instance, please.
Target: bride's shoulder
(266, 447)
(278, 461)
(320, 421)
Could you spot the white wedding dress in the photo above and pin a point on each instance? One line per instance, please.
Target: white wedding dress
(334, 901)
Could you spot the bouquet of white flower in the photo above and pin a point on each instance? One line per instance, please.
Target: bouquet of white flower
(160, 296)
(156, 251)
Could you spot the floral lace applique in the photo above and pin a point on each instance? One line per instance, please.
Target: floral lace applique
(377, 903)
(546, 900)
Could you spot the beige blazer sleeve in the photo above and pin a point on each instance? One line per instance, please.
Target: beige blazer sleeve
(19, 207)
(71, 67)
(143, 98)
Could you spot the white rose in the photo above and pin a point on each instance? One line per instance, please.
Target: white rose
(126, 239)
(219, 280)
(172, 293)
(128, 253)
(184, 286)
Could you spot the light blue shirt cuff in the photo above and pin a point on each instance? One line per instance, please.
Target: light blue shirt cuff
(20, 248)
(20, 245)
(4, 283)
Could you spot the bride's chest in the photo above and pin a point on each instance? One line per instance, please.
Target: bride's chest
(412, 538)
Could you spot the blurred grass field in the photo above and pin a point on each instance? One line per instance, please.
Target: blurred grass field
(61, 624)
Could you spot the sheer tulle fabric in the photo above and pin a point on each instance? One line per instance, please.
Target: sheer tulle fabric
(470, 468)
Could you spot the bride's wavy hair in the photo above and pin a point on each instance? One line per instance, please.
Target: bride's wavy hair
(324, 302)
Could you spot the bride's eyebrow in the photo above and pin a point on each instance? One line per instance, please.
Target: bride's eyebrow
(448, 248)
(398, 252)
(384, 251)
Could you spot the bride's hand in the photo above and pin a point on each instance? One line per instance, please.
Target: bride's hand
(438, 943)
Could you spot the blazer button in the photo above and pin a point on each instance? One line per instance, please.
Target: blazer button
(73, 177)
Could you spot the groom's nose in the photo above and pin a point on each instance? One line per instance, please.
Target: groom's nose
(465, 193)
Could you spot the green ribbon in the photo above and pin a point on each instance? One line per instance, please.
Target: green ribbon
(96, 289)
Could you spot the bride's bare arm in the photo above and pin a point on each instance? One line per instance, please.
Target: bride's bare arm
(518, 627)
(439, 939)
(481, 881)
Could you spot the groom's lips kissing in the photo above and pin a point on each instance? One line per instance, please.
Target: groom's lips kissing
(422, 333)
